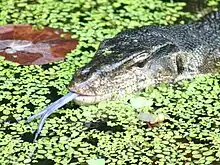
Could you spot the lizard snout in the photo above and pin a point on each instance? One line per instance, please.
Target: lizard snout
(90, 91)
(87, 94)
(82, 89)
(88, 87)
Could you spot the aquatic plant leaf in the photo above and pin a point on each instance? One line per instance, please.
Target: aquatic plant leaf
(141, 102)
(152, 118)
(148, 117)
(96, 162)
(24, 45)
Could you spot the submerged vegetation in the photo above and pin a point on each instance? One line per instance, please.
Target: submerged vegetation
(109, 130)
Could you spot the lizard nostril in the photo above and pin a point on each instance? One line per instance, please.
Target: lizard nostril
(85, 72)
(82, 88)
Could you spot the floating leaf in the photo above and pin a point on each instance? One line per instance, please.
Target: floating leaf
(96, 162)
(141, 102)
(24, 45)
(197, 156)
(152, 118)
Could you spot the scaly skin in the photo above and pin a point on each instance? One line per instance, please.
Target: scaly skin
(137, 58)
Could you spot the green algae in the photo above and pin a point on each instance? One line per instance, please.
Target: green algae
(109, 130)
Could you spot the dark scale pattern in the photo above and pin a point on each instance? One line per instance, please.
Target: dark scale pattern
(148, 55)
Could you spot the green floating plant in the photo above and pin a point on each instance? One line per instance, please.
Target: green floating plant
(96, 162)
(110, 129)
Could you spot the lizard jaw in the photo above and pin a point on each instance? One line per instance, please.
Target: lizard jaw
(91, 99)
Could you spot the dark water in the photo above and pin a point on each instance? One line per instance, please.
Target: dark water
(193, 6)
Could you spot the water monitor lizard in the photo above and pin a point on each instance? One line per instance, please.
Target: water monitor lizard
(137, 58)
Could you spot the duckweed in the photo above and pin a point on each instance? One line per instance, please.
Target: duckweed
(110, 130)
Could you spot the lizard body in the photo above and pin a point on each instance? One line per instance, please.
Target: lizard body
(137, 58)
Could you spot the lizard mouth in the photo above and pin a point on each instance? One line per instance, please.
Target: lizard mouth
(82, 99)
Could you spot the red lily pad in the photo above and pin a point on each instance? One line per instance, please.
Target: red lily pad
(24, 45)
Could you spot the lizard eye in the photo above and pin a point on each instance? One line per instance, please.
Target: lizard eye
(141, 64)
(140, 60)
(138, 63)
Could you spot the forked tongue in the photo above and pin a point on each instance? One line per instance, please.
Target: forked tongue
(55, 105)
(51, 109)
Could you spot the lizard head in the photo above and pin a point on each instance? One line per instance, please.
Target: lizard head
(123, 64)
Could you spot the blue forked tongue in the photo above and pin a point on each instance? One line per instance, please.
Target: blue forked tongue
(51, 109)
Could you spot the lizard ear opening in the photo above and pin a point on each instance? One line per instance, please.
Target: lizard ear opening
(179, 63)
